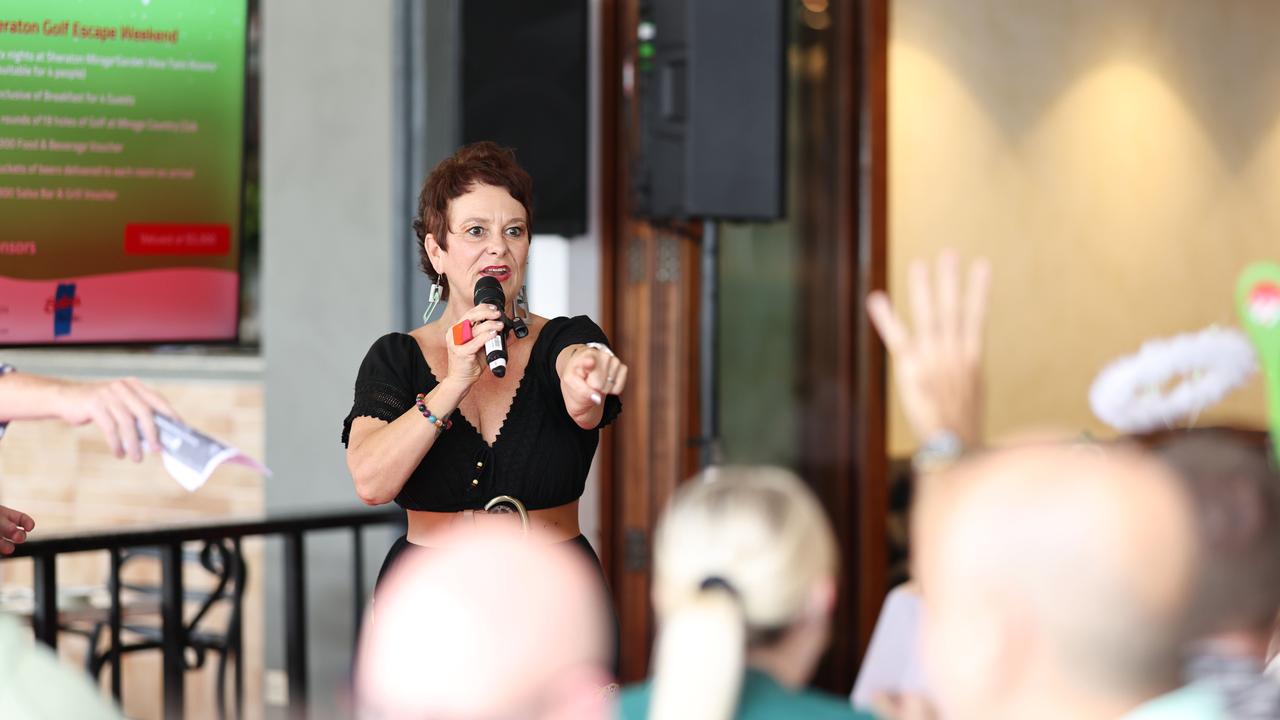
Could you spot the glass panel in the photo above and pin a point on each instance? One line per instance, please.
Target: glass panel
(765, 311)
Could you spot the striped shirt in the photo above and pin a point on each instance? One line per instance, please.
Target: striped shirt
(1247, 691)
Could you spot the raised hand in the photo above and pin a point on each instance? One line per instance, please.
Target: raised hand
(938, 363)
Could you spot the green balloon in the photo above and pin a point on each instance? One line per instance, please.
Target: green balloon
(1258, 302)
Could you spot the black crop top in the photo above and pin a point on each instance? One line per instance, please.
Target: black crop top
(540, 456)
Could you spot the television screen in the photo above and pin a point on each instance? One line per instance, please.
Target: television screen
(121, 164)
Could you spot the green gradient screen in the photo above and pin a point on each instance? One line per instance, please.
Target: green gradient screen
(121, 161)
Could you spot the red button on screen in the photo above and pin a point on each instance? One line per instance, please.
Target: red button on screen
(171, 239)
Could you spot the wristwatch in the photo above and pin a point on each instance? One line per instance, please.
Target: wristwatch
(937, 453)
(5, 368)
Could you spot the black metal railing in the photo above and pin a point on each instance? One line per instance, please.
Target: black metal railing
(173, 636)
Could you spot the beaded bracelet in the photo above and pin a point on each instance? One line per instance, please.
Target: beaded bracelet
(440, 423)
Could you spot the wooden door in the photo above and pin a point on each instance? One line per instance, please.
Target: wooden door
(651, 310)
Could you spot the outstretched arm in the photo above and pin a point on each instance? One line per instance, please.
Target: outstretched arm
(118, 407)
(588, 373)
(123, 409)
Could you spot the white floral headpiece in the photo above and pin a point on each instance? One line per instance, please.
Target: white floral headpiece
(1132, 394)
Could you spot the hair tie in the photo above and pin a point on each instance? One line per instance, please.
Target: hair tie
(715, 581)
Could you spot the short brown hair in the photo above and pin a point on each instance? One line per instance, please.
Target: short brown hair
(1236, 491)
(481, 163)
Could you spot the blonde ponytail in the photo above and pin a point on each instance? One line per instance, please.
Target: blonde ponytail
(736, 558)
(699, 659)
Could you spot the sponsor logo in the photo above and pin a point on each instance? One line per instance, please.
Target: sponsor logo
(62, 306)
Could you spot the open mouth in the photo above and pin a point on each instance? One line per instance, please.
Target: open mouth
(501, 272)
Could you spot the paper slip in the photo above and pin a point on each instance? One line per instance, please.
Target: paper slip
(190, 456)
(892, 663)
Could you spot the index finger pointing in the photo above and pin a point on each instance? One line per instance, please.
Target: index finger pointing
(586, 364)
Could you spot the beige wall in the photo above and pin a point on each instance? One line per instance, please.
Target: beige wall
(1119, 162)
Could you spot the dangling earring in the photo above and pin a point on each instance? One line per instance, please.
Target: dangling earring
(433, 299)
(521, 314)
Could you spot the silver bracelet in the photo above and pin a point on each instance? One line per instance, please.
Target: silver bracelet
(937, 453)
(602, 348)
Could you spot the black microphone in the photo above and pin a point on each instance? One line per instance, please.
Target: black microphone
(489, 292)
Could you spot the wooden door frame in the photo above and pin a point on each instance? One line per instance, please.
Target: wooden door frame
(631, 492)
(871, 434)
(649, 288)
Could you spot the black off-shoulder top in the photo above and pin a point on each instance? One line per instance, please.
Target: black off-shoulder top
(540, 456)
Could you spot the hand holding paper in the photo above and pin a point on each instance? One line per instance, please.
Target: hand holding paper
(190, 456)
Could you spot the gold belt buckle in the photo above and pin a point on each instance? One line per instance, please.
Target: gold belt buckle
(502, 504)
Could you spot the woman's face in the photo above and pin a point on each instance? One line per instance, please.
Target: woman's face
(488, 234)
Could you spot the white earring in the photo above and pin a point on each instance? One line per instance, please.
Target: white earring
(522, 303)
(521, 312)
(433, 299)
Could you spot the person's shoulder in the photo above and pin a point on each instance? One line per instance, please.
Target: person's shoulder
(633, 701)
(392, 345)
(1197, 701)
(765, 699)
(823, 706)
(394, 355)
(395, 339)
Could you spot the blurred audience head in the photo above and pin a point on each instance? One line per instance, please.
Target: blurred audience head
(1057, 582)
(492, 627)
(744, 573)
(1236, 494)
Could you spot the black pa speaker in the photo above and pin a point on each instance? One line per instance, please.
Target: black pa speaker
(523, 84)
(711, 94)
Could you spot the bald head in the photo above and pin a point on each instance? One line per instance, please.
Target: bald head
(491, 627)
(1055, 564)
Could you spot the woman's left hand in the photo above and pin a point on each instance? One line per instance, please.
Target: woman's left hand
(586, 378)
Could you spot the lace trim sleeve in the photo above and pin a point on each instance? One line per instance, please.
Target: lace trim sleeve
(382, 389)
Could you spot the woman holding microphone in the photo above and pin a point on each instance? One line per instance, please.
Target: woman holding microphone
(433, 429)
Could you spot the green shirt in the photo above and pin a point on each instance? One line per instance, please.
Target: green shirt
(762, 698)
(1192, 702)
(34, 685)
